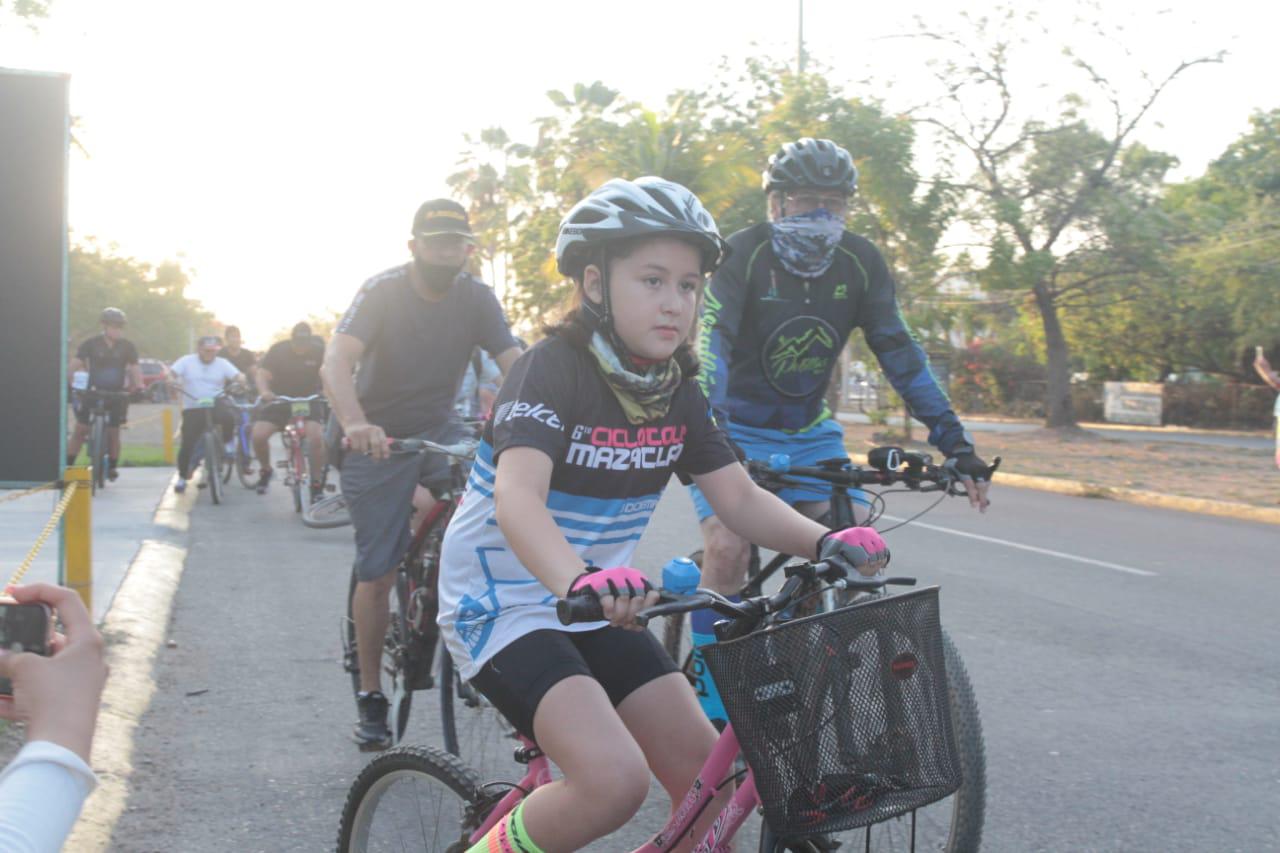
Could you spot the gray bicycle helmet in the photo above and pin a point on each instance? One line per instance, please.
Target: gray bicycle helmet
(113, 316)
(811, 164)
(621, 209)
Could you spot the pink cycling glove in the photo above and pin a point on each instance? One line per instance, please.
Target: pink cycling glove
(619, 580)
(860, 547)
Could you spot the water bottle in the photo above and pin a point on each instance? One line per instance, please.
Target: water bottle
(681, 575)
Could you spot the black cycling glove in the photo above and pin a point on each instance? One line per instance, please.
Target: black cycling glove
(969, 466)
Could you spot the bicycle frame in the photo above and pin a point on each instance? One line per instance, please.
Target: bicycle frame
(713, 776)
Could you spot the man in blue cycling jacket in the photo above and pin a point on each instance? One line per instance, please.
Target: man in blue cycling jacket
(774, 320)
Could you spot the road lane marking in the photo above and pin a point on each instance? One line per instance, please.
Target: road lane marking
(1115, 567)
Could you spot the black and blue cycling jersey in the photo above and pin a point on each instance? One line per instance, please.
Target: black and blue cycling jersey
(770, 339)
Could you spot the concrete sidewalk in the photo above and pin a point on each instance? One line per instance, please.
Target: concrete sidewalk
(123, 516)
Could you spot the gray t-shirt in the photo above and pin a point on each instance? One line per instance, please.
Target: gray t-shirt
(415, 350)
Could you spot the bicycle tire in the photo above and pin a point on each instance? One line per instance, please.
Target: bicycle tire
(327, 513)
(968, 804)
(399, 692)
(421, 769)
(212, 465)
(351, 662)
(228, 463)
(98, 454)
(244, 464)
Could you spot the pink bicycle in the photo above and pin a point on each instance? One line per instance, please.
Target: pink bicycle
(841, 720)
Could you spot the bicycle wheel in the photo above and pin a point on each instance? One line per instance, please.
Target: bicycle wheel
(409, 798)
(98, 453)
(327, 513)
(350, 662)
(395, 651)
(951, 825)
(228, 462)
(472, 728)
(213, 466)
(244, 463)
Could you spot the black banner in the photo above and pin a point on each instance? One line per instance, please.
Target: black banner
(33, 257)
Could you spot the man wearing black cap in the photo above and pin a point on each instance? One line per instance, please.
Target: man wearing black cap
(410, 330)
(291, 368)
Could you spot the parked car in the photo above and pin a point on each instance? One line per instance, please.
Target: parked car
(153, 374)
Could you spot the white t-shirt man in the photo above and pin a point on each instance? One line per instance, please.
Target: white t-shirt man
(201, 380)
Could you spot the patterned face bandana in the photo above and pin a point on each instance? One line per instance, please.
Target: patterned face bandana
(643, 397)
(806, 244)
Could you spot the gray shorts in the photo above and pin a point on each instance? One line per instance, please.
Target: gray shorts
(379, 496)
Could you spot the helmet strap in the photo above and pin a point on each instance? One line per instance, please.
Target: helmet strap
(604, 313)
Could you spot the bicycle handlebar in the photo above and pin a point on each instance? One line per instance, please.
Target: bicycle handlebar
(587, 608)
(920, 474)
(464, 450)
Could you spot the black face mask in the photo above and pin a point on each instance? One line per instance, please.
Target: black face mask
(437, 277)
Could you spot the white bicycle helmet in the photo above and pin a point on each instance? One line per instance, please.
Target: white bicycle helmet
(621, 209)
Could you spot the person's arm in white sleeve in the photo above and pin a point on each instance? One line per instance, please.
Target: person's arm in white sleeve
(41, 792)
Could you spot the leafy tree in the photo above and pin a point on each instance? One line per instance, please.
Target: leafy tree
(1231, 247)
(716, 142)
(1068, 211)
(163, 321)
(26, 10)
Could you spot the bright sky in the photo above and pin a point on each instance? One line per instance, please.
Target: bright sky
(280, 147)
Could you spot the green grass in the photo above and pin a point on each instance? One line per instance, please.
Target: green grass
(134, 456)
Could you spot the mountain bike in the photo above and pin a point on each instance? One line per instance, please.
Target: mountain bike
(210, 453)
(887, 466)
(413, 659)
(99, 446)
(842, 720)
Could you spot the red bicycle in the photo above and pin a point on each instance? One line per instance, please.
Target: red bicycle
(297, 447)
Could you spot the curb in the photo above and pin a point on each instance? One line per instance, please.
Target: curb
(135, 628)
(1079, 489)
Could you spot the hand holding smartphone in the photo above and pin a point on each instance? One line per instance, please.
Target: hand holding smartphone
(24, 628)
(57, 695)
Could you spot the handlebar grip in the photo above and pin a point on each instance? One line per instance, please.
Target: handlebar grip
(579, 609)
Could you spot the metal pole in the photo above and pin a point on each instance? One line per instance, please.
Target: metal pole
(77, 537)
(800, 42)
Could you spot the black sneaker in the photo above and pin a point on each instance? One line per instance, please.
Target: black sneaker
(113, 473)
(371, 733)
(264, 479)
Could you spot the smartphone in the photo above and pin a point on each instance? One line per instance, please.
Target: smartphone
(24, 628)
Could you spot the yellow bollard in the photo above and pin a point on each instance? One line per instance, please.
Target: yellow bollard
(166, 427)
(77, 537)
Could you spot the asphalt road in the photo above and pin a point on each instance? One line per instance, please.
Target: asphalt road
(1124, 660)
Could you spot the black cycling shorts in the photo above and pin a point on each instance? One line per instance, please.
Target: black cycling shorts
(117, 412)
(516, 678)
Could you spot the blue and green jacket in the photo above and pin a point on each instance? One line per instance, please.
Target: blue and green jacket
(769, 340)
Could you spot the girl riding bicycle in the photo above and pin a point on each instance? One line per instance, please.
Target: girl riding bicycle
(586, 432)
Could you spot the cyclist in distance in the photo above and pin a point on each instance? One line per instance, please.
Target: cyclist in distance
(201, 375)
(234, 352)
(410, 330)
(111, 360)
(587, 430)
(291, 368)
(774, 321)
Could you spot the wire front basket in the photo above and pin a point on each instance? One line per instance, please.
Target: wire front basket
(843, 716)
